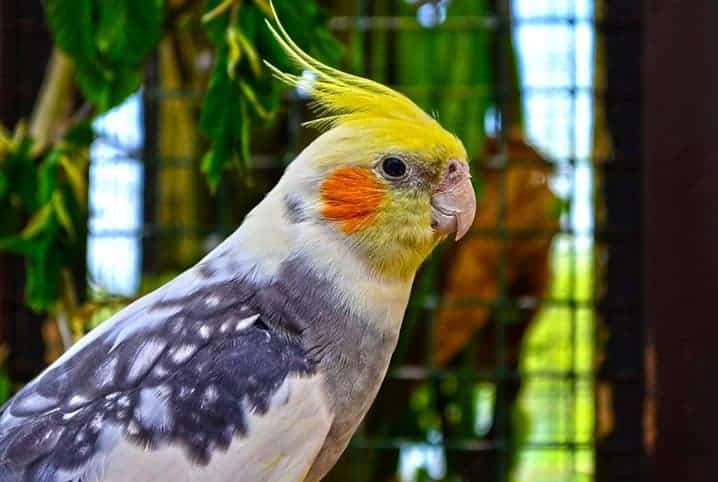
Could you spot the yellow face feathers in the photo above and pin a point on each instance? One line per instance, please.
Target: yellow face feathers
(343, 99)
(377, 172)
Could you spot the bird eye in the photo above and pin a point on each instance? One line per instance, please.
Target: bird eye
(393, 167)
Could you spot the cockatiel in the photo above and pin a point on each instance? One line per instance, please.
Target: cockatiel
(258, 363)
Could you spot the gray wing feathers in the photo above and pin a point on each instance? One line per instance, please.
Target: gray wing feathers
(182, 368)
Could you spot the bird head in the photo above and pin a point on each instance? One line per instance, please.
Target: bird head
(384, 176)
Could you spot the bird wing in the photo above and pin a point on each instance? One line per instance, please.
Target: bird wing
(279, 446)
(181, 378)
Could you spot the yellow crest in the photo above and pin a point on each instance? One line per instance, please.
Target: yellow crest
(340, 98)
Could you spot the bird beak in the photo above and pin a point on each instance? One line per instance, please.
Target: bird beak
(453, 202)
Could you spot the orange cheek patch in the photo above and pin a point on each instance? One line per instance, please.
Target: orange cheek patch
(351, 197)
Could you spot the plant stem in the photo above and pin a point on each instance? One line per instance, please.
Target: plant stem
(53, 101)
(217, 11)
(67, 306)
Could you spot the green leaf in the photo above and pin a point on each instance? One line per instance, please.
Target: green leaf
(234, 51)
(253, 58)
(128, 30)
(81, 134)
(72, 27)
(47, 177)
(43, 267)
(43, 212)
(4, 185)
(212, 166)
(253, 100)
(231, 144)
(215, 9)
(224, 119)
(241, 90)
(13, 244)
(76, 177)
(94, 83)
(108, 42)
(107, 87)
(216, 20)
(38, 222)
(63, 216)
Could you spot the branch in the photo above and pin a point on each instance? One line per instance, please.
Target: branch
(66, 306)
(53, 100)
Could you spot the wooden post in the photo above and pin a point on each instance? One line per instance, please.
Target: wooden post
(620, 389)
(680, 144)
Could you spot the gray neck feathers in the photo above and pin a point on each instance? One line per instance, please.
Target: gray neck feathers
(351, 350)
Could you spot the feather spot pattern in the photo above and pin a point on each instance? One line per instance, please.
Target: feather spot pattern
(184, 382)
